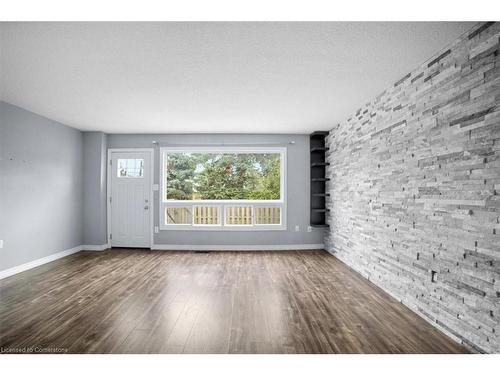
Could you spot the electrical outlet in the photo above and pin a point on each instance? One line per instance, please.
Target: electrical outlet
(297, 228)
(156, 230)
(309, 228)
(1, 244)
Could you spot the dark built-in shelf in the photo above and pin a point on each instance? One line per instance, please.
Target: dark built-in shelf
(318, 179)
(319, 149)
(319, 164)
(319, 133)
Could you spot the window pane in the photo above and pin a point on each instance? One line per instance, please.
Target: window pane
(206, 215)
(133, 168)
(267, 215)
(178, 215)
(240, 215)
(222, 176)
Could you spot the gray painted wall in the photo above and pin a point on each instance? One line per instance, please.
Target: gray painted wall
(53, 188)
(297, 189)
(40, 186)
(94, 188)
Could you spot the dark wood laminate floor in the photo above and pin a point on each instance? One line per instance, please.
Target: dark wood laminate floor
(141, 301)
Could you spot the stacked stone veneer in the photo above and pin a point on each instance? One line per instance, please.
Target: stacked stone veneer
(415, 189)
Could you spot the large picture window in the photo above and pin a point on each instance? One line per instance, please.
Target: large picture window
(229, 188)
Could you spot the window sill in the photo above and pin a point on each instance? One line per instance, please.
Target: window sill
(227, 228)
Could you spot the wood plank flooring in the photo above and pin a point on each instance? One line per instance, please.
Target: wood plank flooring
(142, 301)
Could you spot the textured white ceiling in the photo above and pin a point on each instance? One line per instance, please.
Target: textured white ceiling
(224, 77)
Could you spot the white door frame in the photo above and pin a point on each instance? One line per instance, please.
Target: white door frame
(108, 191)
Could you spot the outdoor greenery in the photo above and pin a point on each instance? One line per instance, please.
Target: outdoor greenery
(219, 176)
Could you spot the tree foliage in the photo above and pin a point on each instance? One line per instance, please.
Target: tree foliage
(223, 176)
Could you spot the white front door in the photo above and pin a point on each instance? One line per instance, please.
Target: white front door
(130, 199)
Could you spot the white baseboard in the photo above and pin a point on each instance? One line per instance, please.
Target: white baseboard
(239, 247)
(95, 247)
(38, 262)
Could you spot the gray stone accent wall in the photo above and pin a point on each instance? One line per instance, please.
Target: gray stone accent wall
(415, 189)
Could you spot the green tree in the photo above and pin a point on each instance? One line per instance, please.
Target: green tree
(223, 176)
(269, 181)
(227, 176)
(180, 176)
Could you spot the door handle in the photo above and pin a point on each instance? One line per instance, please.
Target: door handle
(146, 207)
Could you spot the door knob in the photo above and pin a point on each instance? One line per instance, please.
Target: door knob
(146, 207)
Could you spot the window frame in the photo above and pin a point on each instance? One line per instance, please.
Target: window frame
(222, 204)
